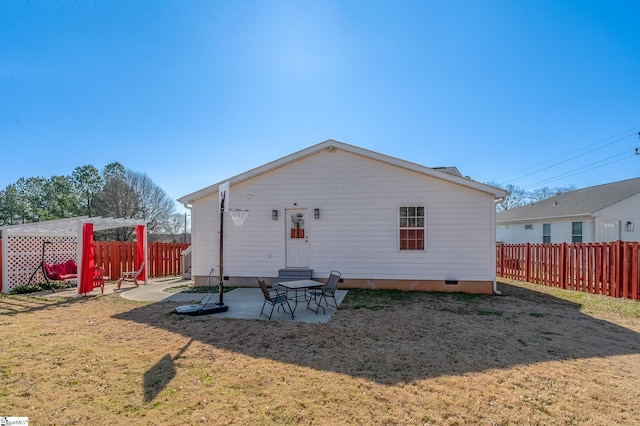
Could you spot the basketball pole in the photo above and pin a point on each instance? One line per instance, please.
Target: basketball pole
(221, 267)
(205, 308)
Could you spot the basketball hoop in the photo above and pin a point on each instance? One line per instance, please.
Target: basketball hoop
(239, 216)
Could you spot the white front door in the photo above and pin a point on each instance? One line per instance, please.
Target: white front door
(297, 238)
(609, 231)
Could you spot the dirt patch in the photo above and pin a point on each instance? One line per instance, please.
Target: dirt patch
(528, 357)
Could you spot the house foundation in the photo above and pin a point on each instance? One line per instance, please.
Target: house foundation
(452, 286)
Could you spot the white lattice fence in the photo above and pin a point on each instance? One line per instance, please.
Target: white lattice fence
(24, 254)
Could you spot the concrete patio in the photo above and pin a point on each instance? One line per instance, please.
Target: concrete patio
(243, 303)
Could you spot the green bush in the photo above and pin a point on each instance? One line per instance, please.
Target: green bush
(33, 288)
(22, 289)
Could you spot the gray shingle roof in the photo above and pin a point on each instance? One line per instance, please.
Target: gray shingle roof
(581, 202)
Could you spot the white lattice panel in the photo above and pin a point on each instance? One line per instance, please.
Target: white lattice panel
(24, 254)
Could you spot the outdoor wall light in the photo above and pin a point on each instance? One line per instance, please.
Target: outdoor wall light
(316, 213)
(629, 226)
(274, 214)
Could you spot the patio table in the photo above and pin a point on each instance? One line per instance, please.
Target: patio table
(303, 285)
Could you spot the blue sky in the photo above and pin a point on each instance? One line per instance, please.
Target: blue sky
(532, 93)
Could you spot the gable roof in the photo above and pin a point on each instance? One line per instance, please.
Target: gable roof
(581, 202)
(449, 174)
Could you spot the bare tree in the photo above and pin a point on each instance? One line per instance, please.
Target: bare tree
(516, 197)
(178, 227)
(131, 194)
(155, 206)
(546, 192)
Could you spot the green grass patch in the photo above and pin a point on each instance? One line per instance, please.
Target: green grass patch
(587, 302)
(384, 299)
(490, 313)
(378, 299)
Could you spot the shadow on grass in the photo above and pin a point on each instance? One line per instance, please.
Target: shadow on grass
(19, 304)
(406, 336)
(158, 377)
(161, 374)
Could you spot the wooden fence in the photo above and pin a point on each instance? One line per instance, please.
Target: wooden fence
(611, 269)
(164, 259)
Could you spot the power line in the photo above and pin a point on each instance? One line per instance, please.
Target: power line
(583, 169)
(557, 161)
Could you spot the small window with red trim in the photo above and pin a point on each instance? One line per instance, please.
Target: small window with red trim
(412, 228)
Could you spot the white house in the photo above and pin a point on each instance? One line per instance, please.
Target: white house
(600, 213)
(381, 221)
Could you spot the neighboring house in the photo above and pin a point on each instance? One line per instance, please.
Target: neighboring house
(600, 213)
(381, 221)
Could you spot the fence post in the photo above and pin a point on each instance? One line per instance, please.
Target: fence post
(625, 270)
(563, 265)
(527, 262)
(500, 257)
(1, 274)
(635, 266)
(615, 270)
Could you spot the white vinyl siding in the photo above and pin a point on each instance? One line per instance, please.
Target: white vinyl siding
(357, 232)
(514, 233)
(625, 211)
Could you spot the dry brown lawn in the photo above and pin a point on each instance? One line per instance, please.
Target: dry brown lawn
(532, 356)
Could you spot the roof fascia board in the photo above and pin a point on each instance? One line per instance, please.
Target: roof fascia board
(544, 218)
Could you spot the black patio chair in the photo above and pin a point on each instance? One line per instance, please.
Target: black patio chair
(273, 297)
(329, 290)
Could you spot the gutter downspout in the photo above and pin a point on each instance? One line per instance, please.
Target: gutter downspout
(493, 256)
(495, 289)
(187, 273)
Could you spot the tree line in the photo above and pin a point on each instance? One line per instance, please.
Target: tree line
(113, 192)
(123, 193)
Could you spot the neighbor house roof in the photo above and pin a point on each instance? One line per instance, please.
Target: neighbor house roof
(581, 202)
(450, 174)
(452, 170)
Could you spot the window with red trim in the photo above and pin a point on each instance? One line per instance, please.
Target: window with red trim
(411, 228)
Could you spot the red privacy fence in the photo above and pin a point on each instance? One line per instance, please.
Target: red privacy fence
(115, 256)
(611, 269)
